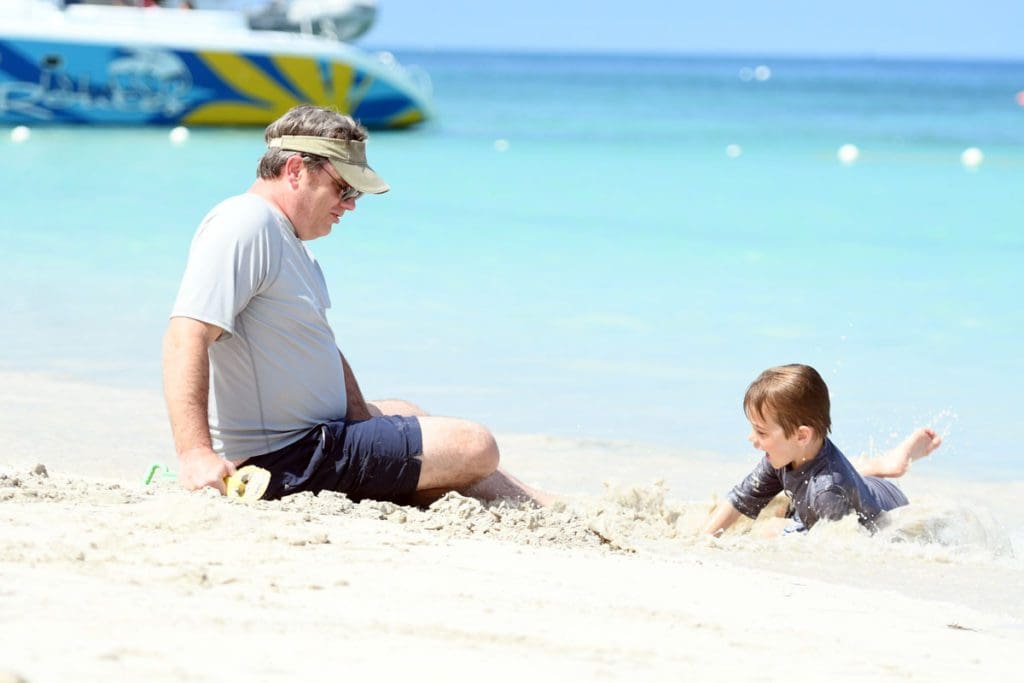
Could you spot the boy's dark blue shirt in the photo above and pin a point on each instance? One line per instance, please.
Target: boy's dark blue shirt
(827, 487)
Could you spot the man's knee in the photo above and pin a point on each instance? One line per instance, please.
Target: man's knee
(478, 449)
(456, 453)
(475, 448)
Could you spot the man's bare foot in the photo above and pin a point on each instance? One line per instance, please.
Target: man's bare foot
(896, 462)
(501, 484)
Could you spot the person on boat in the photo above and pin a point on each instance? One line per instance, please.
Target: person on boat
(252, 373)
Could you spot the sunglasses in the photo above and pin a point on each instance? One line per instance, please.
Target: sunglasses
(345, 191)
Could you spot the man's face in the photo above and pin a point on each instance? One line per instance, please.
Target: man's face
(768, 436)
(321, 204)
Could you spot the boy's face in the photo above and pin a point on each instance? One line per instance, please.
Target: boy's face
(766, 435)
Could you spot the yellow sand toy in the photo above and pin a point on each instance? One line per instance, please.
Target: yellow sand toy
(248, 483)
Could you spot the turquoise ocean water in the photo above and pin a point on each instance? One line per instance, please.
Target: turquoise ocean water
(568, 249)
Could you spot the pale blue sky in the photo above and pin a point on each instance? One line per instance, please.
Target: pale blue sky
(900, 28)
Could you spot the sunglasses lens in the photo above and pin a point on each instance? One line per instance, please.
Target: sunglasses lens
(345, 191)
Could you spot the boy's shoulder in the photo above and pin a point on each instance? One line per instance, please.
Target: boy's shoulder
(831, 460)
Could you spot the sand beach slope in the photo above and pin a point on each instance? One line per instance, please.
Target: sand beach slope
(102, 578)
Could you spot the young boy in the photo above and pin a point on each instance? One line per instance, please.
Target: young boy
(788, 408)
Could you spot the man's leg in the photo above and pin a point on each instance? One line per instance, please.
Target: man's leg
(462, 456)
(458, 456)
(394, 406)
(895, 463)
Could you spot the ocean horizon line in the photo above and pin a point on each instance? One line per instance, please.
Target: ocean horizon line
(655, 55)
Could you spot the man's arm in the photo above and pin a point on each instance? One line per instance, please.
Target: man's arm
(186, 390)
(357, 410)
(721, 519)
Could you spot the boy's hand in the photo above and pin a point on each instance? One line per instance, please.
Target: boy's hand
(721, 519)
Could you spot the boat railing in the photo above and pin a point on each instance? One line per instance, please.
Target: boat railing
(166, 19)
(341, 20)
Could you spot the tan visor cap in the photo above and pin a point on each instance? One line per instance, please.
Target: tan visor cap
(348, 157)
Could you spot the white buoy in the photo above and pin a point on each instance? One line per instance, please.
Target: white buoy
(971, 158)
(179, 135)
(733, 151)
(20, 133)
(501, 145)
(848, 154)
(762, 72)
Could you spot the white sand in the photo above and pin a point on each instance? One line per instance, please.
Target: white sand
(102, 579)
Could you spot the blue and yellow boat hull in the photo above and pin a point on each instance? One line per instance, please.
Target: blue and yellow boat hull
(92, 82)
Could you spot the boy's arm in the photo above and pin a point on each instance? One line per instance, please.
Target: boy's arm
(748, 498)
(831, 504)
(721, 519)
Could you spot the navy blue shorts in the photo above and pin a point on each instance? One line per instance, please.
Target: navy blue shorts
(376, 458)
(887, 494)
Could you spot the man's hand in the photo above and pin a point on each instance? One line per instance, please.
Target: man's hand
(201, 467)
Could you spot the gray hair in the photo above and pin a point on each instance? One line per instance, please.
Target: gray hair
(306, 119)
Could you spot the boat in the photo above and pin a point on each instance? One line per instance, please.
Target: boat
(127, 65)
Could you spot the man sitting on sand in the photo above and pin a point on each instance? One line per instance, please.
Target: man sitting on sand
(252, 373)
(788, 409)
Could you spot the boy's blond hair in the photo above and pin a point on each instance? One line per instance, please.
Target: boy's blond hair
(794, 395)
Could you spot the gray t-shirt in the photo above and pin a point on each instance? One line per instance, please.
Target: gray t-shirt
(827, 487)
(276, 371)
